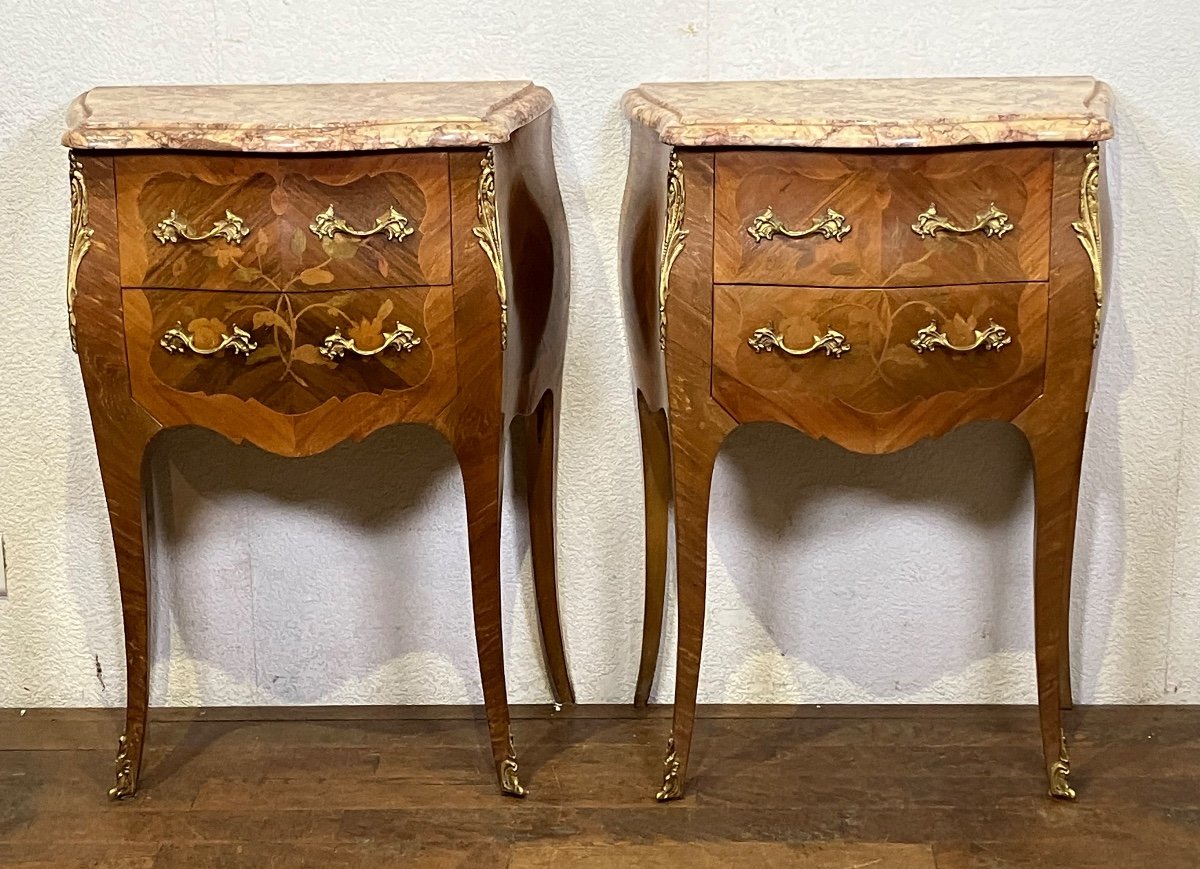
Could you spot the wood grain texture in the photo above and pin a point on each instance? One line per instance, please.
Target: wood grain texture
(541, 498)
(286, 373)
(697, 427)
(879, 287)
(122, 432)
(640, 258)
(658, 491)
(474, 423)
(881, 194)
(835, 786)
(279, 199)
(539, 262)
(287, 399)
(538, 259)
(1054, 427)
(640, 255)
(881, 395)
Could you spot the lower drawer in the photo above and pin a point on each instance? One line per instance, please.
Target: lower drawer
(287, 352)
(789, 351)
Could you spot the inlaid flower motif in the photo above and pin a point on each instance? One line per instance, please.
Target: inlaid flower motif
(366, 334)
(225, 255)
(279, 337)
(207, 332)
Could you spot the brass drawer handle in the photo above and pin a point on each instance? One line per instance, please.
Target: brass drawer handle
(993, 223)
(393, 224)
(992, 338)
(179, 340)
(766, 225)
(172, 230)
(337, 345)
(766, 339)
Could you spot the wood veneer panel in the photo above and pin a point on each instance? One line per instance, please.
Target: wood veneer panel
(286, 372)
(490, 342)
(1035, 280)
(1055, 428)
(882, 394)
(279, 199)
(881, 195)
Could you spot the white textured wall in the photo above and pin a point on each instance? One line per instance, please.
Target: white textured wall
(342, 578)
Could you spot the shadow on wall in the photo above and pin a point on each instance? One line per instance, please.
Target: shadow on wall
(898, 577)
(337, 578)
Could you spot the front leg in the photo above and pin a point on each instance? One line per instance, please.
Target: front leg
(479, 445)
(693, 452)
(122, 456)
(696, 427)
(122, 430)
(1057, 455)
(1055, 427)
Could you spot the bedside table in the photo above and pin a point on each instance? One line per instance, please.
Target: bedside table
(872, 262)
(296, 266)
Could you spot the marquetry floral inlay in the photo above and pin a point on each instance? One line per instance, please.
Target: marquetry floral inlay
(278, 334)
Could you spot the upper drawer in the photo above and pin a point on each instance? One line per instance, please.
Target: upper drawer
(273, 223)
(863, 219)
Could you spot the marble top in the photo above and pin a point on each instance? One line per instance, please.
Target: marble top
(304, 118)
(874, 113)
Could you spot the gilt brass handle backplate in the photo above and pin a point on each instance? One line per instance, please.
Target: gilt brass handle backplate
(992, 338)
(766, 339)
(993, 223)
(179, 340)
(337, 345)
(393, 224)
(172, 230)
(832, 226)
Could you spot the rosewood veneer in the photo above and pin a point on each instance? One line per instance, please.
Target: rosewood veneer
(872, 262)
(296, 266)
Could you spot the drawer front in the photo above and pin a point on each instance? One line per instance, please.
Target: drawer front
(288, 352)
(254, 223)
(877, 351)
(854, 219)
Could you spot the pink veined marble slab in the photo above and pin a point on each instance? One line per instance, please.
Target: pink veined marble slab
(874, 113)
(304, 117)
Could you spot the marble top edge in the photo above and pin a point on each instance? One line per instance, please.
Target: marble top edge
(304, 117)
(867, 113)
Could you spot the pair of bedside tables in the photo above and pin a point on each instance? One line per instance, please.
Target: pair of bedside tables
(869, 262)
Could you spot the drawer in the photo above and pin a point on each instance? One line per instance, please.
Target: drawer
(876, 351)
(855, 219)
(289, 352)
(281, 223)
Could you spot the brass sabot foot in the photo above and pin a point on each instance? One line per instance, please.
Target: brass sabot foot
(1059, 788)
(1059, 772)
(126, 786)
(672, 787)
(510, 782)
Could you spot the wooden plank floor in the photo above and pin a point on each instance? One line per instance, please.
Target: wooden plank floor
(907, 787)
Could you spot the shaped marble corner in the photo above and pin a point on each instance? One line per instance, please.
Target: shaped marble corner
(880, 113)
(304, 118)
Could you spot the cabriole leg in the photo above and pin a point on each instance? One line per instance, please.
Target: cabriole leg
(481, 460)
